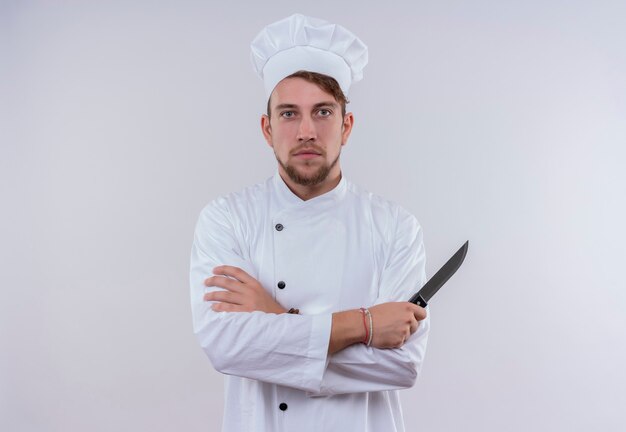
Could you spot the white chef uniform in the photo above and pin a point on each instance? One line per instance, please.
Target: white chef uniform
(342, 250)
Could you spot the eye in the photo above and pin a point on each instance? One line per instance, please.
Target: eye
(324, 112)
(287, 114)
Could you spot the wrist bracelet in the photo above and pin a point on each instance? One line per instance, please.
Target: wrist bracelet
(367, 332)
(371, 332)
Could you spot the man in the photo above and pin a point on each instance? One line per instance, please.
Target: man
(299, 284)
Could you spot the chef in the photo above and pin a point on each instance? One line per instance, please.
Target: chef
(299, 283)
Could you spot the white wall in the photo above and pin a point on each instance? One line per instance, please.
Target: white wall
(499, 122)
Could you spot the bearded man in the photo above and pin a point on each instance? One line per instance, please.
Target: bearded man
(299, 284)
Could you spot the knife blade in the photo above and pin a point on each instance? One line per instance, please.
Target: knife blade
(423, 296)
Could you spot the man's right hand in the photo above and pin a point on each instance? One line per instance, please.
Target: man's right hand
(394, 322)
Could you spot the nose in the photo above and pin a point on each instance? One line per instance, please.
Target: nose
(306, 129)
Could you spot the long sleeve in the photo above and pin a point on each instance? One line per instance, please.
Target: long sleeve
(338, 251)
(358, 368)
(281, 349)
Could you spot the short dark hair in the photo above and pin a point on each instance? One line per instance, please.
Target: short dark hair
(324, 82)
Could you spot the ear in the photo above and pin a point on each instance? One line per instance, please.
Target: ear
(346, 128)
(266, 128)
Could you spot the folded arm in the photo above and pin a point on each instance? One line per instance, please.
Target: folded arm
(283, 349)
(266, 344)
(359, 368)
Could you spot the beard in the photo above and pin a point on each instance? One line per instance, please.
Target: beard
(312, 179)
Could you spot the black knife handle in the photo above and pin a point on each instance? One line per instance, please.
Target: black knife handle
(418, 300)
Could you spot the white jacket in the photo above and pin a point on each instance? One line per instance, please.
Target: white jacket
(342, 250)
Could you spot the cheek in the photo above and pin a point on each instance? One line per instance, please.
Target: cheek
(284, 132)
(331, 133)
(326, 130)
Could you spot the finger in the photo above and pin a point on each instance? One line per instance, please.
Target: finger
(224, 296)
(223, 282)
(419, 312)
(414, 326)
(401, 343)
(227, 307)
(234, 272)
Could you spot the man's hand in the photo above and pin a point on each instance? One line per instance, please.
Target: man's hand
(394, 323)
(243, 293)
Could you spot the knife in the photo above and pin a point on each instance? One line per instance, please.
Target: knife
(423, 296)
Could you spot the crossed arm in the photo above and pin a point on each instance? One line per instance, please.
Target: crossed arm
(393, 322)
(321, 353)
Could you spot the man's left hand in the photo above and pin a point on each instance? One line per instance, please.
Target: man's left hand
(243, 292)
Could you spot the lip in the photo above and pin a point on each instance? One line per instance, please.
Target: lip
(307, 155)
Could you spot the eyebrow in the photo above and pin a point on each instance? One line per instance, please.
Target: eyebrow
(317, 105)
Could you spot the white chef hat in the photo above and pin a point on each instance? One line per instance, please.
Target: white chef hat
(299, 42)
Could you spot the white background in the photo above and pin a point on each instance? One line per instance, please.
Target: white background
(500, 122)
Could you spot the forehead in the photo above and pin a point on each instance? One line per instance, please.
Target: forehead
(297, 91)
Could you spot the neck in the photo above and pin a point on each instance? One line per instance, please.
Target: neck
(305, 193)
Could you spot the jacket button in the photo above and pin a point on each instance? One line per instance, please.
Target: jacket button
(279, 227)
(283, 406)
(281, 285)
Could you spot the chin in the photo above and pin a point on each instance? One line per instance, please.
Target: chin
(308, 178)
